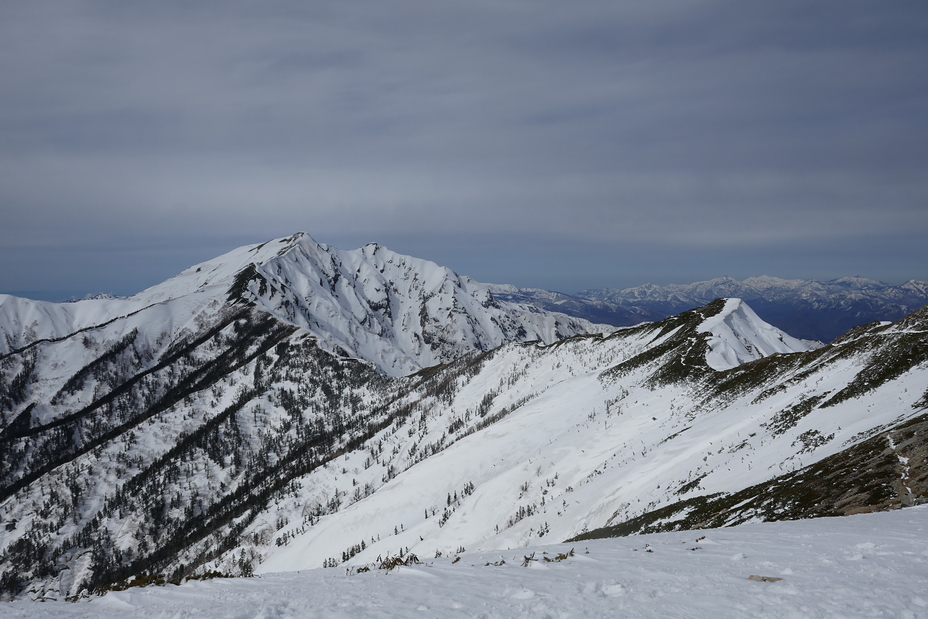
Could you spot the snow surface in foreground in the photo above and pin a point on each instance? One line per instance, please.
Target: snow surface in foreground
(859, 566)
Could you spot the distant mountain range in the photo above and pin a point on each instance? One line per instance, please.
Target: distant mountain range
(805, 308)
(290, 405)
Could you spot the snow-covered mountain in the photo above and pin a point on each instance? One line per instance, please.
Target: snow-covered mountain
(250, 415)
(819, 310)
(597, 431)
(400, 313)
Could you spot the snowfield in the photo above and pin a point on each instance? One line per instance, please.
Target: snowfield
(872, 565)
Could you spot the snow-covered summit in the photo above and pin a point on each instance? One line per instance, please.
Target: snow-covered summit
(397, 312)
(219, 271)
(738, 335)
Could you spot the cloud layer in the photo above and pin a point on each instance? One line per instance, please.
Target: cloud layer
(563, 145)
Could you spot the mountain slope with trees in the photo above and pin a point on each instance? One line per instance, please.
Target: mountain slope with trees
(218, 428)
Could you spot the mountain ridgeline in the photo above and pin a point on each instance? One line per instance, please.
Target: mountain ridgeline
(816, 310)
(291, 406)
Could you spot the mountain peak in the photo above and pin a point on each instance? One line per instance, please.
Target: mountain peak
(738, 335)
(398, 312)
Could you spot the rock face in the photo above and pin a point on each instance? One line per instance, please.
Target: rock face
(255, 414)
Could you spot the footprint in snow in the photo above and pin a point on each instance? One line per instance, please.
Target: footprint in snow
(606, 588)
(613, 589)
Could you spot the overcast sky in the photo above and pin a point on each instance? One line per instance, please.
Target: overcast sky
(563, 145)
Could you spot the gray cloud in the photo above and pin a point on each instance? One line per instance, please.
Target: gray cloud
(645, 135)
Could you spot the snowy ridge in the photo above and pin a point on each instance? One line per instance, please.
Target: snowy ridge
(400, 313)
(739, 336)
(623, 449)
(23, 321)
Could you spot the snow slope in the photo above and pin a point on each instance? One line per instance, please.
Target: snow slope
(872, 565)
(587, 443)
(23, 321)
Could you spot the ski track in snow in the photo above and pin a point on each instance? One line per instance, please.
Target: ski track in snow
(873, 565)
